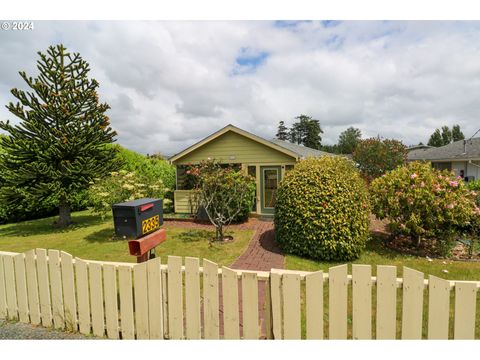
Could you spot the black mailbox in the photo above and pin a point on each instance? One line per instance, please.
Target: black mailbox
(134, 219)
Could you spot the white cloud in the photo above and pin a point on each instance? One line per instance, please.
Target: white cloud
(171, 83)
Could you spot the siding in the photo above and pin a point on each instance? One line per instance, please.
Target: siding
(243, 149)
(182, 201)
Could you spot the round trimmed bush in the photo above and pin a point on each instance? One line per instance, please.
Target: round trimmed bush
(322, 210)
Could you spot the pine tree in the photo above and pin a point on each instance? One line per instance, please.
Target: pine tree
(306, 131)
(282, 133)
(457, 134)
(348, 140)
(61, 142)
(435, 139)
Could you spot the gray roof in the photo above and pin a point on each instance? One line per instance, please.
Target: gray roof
(301, 150)
(458, 150)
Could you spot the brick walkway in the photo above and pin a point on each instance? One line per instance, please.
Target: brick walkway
(262, 253)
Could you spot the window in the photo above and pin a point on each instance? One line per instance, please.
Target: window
(288, 168)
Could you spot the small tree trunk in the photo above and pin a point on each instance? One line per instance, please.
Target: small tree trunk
(220, 233)
(64, 216)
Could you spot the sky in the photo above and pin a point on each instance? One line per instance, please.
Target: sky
(172, 83)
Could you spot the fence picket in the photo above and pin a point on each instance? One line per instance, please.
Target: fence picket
(465, 302)
(10, 288)
(96, 299)
(126, 302)
(337, 302)
(81, 272)
(231, 319)
(412, 310)
(155, 309)
(3, 293)
(32, 287)
(175, 297)
(268, 310)
(314, 305)
(192, 298)
(111, 300)
(164, 304)
(68, 284)
(56, 289)
(438, 307)
(141, 301)
(362, 301)
(21, 282)
(44, 288)
(276, 295)
(210, 300)
(291, 306)
(250, 306)
(386, 302)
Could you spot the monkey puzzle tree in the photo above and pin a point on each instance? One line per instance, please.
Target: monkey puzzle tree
(60, 144)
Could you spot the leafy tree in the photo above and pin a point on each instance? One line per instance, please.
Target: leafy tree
(457, 134)
(306, 131)
(446, 135)
(435, 139)
(333, 149)
(59, 146)
(348, 140)
(282, 132)
(375, 156)
(224, 193)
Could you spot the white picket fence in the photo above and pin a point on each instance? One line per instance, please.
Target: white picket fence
(182, 300)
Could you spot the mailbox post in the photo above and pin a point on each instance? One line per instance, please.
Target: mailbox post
(141, 220)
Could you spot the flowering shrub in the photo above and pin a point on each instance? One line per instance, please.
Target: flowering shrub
(322, 210)
(124, 186)
(423, 203)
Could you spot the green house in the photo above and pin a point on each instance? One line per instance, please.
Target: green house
(266, 160)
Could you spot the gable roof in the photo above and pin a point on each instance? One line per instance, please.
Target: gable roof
(458, 150)
(294, 150)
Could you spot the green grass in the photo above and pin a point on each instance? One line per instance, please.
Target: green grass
(91, 238)
(377, 253)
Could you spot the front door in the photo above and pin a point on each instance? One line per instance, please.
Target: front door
(269, 180)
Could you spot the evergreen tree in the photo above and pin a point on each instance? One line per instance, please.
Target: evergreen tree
(457, 134)
(294, 134)
(61, 143)
(446, 135)
(282, 133)
(435, 139)
(348, 140)
(306, 131)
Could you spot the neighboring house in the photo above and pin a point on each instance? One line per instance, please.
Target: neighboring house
(418, 147)
(266, 160)
(463, 157)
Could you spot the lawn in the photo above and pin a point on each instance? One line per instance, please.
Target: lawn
(377, 253)
(91, 238)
